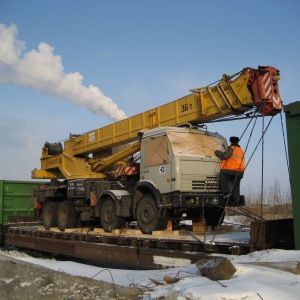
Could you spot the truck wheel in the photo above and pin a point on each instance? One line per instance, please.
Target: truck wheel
(49, 215)
(108, 218)
(147, 216)
(66, 216)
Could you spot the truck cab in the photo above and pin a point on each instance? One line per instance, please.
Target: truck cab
(179, 172)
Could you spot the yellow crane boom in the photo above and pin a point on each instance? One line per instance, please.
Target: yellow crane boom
(232, 95)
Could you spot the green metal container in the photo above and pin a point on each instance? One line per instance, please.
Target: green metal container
(292, 114)
(15, 200)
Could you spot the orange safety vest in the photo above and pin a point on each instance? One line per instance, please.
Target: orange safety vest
(236, 162)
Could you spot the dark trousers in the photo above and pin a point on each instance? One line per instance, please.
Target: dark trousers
(230, 184)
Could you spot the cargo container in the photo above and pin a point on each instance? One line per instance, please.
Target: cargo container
(15, 201)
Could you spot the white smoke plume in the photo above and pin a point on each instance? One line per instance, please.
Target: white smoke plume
(43, 71)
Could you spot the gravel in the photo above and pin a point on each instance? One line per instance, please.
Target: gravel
(22, 280)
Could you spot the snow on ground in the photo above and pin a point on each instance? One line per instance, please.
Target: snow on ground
(249, 282)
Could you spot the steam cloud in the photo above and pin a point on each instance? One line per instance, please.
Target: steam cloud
(43, 71)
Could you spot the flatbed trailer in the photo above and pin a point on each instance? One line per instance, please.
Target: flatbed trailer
(129, 248)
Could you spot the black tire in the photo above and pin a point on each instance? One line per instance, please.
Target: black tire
(108, 218)
(214, 216)
(147, 216)
(66, 215)
(49, 215)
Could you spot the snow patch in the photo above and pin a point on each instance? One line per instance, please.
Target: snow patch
(170, 261)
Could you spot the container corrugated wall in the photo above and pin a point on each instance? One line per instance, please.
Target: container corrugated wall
(15, 198)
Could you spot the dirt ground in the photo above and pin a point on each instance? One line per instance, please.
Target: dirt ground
(22, 280)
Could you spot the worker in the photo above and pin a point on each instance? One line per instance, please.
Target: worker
(231, 170)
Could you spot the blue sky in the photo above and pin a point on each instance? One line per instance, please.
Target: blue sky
(139, 54)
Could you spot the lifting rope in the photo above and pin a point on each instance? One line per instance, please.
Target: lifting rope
(244, 211)
(285, 148)
(262, 181)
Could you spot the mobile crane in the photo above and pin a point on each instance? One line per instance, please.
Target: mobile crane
(153, 167)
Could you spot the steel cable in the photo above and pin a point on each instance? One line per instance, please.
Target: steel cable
(285, 148)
